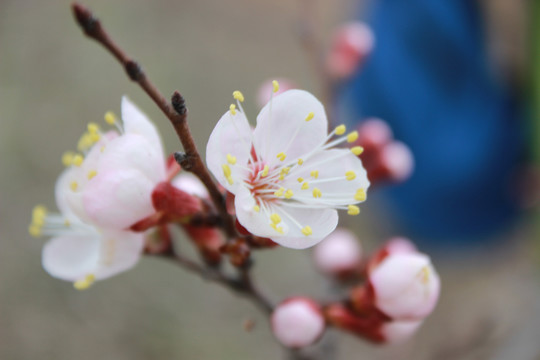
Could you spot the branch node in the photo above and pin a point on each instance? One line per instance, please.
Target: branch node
(179, 103)
(134, 70)
(183, 160)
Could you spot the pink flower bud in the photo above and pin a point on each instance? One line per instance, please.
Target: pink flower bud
(400, 245)
(397, 160)
(397, 332)
(339, 253)
(266, 89)
(297, 322)
(374, 133)
(405, 286)
(351, 44)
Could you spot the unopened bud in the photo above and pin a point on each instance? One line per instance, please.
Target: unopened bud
(190, 184)
(297, 322)
(351, 44)
(405, 286)
(397, 160)
(339, 254)
(397, 332)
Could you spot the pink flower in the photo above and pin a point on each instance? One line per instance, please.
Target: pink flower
(297, 322)
(287, 178)
(339, 253)
(405, 285)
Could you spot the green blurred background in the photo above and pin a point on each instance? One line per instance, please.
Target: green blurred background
(53, 81)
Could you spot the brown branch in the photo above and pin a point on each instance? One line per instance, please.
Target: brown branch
(176, 111)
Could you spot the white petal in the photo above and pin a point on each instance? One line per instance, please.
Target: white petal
(282, 126)
(257, 223)
(71, 257)
(136, 122)
(118, 199)
(321, 221)
(231, 136)
(334, 163)
(62, 192)
(120, 251)
(191, 184)
(132, 151)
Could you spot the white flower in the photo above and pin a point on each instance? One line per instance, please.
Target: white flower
(287, 178)
(297, 322)
(397, 332)
(103, 191)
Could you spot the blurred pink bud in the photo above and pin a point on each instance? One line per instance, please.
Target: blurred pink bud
(397, 332)
(397, 160)
(340, 253)
(374, 132)
(400, 245)
(351, 44)
(405, 286)
(267, 88)
(297, 322)
(191, 184)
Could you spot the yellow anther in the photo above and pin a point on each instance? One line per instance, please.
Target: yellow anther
(94, 137)
(67, 223)
(91, 174)
(38, 214)
(85, 283)
(300, 179)
(300, 161)
(307, 231)
(275, 218)
(305, 186)
(350, 175)
(315, 174)
(232, 109)
(424, 275)
(285, 170)
(279, 192)
(310, 116)
(357, 150)
(281, 156)
(275, 86)
(67, 158)
(238, 96)
(102, 148)
(230, 180)
(340, 130)
(110, 118)
(73, 186)
(226, 170)
(231, 159)
(256, 208)
(77, 160)
(353, 210)
(34, 230)
(360, 195)
(93, 128)
(317, 193)
(85, 142)
(281, 177)
(352, 136)
(265, 171)
(289, 194)
(279, 229)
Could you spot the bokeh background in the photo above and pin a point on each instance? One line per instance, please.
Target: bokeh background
(53, 82)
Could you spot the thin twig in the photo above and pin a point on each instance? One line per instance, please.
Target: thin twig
(176, 111)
